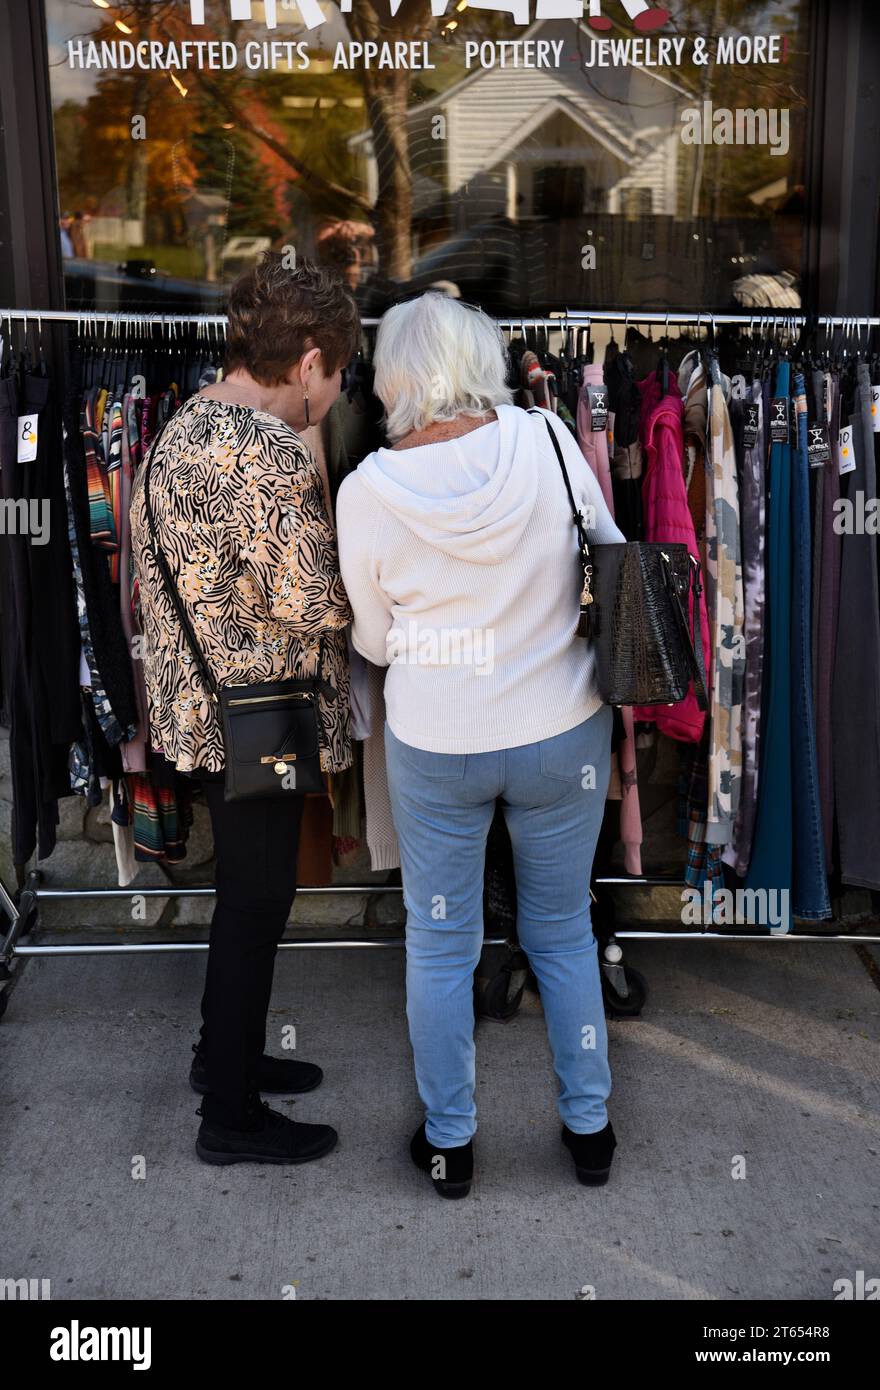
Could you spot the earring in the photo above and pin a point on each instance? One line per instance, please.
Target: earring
(306, 404)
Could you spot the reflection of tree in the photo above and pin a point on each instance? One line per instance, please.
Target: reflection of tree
(225, 163)
(387, 96)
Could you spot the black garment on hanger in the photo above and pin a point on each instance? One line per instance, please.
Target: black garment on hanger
(625, 400)
(39, 645)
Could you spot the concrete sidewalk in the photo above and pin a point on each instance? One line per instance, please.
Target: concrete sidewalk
(768, 1051)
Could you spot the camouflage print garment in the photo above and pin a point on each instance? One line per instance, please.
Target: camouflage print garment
(724, 596)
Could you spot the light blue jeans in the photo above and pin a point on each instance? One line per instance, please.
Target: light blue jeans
(553, 795)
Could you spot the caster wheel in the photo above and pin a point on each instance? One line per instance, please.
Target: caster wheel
(630, 1005)
(27, 906)
(500, 996)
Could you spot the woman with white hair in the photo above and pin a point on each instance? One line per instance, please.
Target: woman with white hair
(459, 554)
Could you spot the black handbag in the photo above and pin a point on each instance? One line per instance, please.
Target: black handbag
(271, 730)
(634, 609)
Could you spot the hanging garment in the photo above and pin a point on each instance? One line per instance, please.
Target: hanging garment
(123, 833)
(55, 653)
(826, 597)
(855, 703)
(381, 836)
(695, 394)
(110, 659)
(810, 882)
(724, 596)
(703, 863)
(749, 432)
(623, 785)
(134, 750)
(772, 849)
(161, 802)
(314, 861)
(39, 643)
(535, 380)
(625, 452)
(668, 519)
(593, 441)
(34, 814)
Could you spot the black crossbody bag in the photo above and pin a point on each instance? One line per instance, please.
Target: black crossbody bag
(634, 610)
(271, 730)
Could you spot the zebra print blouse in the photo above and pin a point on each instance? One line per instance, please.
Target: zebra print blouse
(240, 514)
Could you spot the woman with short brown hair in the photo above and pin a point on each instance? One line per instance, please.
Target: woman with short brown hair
(239, 511)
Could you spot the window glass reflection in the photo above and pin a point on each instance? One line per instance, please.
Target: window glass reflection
(530, 188)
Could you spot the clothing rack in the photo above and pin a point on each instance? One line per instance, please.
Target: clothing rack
(20, 914)
(118, 319)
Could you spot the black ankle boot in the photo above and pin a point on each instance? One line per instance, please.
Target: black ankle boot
(455, 1167)
(592, 1154)
(277, 1076)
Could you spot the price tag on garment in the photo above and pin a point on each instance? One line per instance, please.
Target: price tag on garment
(750, 427)
(875, 409)
(598, 407)
(818, 445)
(846, 456)
(27, 438)
(779, 420)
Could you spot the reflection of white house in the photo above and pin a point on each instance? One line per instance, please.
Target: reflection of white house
(529, 142)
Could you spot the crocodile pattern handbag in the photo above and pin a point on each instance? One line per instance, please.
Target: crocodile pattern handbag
(634, 609)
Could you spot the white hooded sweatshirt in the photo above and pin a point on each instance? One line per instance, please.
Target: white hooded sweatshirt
(461, 564)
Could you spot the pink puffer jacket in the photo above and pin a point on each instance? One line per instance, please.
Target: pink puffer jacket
(668, 518)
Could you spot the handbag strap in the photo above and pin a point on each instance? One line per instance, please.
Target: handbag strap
(577, 516)
(204, 670)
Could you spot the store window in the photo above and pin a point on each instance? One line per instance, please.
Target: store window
(192, 134)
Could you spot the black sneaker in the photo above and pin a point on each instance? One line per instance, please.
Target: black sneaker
(278, 1076)
(273, 1139)
(592, 1154)
(454, 1170)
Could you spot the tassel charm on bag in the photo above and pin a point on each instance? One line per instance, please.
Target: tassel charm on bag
(583, 627)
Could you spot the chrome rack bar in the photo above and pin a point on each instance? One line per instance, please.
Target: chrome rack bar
(119, 317)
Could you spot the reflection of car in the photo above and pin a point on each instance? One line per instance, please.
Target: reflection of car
(137, 285)
(488, 263)
(241, 252)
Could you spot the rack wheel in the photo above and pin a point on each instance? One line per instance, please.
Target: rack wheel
(27, 907)
(499, 996)
(631, 1004)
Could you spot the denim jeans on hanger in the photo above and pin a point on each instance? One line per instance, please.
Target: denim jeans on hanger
(772, 850)
(855, 703)
(443, 804)
(810, 887)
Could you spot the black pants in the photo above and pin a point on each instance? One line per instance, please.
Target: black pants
(256, 846)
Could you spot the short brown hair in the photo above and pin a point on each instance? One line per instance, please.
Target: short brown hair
(276, 314)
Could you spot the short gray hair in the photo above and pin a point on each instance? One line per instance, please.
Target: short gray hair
(436, 359)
